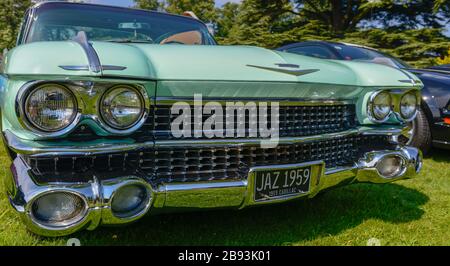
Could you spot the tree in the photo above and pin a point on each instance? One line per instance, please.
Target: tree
(347, 15)
(11, 14)
(444, 60)
(148, 4)
(418, 47)
(204, 9)
(227, 17)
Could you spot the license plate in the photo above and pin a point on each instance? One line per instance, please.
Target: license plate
(276, 183)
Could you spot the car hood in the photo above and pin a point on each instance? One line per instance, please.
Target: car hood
(211, 63)
(433, 73)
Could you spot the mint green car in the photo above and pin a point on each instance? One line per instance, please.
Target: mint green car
(109, 114)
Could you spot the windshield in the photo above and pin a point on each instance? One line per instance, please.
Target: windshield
(60, 22)
(348, 52)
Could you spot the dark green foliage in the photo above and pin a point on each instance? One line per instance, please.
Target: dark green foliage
(419, 47)
(11, 14)
(227, 17)
(204, 9)
(148, 4)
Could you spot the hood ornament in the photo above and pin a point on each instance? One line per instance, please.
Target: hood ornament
(94, 62)
(92, 56)
(290, 69)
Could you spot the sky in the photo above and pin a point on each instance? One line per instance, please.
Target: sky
(131, 2)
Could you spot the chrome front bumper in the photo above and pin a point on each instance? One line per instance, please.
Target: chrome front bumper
(23, 190)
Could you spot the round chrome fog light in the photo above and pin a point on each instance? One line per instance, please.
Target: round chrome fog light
(390, 166)
(59, 208)
(129, 201)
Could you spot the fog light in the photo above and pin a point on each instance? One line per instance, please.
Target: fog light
(59, 208)
(129, 201)
(390, 166)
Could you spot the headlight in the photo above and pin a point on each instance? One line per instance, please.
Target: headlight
(122, 107)
(408, 106)
(50, 107)
(380, 106)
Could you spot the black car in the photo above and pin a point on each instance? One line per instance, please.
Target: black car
(432, 125)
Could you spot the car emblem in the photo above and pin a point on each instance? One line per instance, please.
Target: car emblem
(290, 69)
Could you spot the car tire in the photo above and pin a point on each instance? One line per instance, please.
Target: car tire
(421, 137)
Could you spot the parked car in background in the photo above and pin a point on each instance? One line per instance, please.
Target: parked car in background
(444, 68)
(432, 124)
(90, 95)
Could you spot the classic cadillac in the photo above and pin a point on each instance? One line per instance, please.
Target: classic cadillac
(109, 114)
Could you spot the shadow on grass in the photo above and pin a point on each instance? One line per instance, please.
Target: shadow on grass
(327, 214)
(439, 155)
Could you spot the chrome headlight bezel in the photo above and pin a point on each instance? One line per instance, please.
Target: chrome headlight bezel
(24, 120)
(134, 126)
(87, 94)
(371, 105)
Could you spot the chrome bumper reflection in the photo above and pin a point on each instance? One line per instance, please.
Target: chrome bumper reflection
(23, 190)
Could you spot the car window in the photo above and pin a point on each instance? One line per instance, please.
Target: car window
(356, 53)
(312, 50)
(63, 22)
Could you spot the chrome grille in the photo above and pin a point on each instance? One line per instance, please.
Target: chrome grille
(294, 121)
(186, 164)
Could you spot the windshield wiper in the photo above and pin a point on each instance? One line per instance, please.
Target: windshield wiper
(128, 41)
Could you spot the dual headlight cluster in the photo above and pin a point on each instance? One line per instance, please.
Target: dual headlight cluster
(52, 107)
(383, 103)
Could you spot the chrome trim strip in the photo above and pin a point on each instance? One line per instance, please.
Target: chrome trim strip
(31, 148)
(287, 71)
(86, 68)
(162, 100)
(199, 186)
(75, 68)
(111, 67)
(92, 56)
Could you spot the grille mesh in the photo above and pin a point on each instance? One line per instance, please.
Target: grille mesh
(294, 121)
(211, 163)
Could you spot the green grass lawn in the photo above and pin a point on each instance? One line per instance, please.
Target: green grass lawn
(410, 212)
